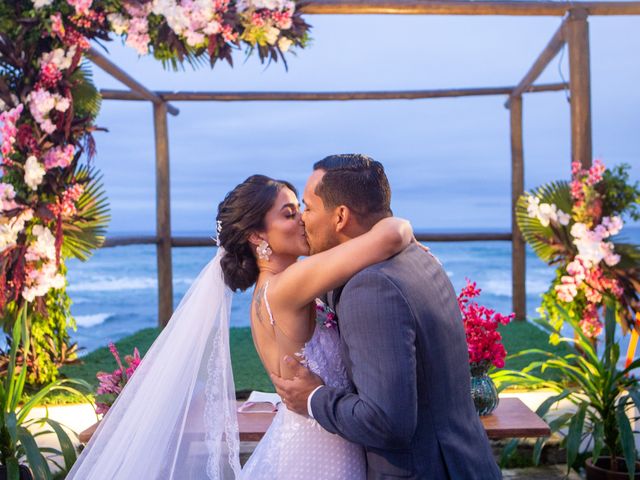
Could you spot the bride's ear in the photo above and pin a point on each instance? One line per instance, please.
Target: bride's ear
(255, 239)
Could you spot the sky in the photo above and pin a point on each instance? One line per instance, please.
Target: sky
(448, 160)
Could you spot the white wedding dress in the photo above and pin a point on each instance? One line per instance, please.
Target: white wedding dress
(296, 447)
(176, 417)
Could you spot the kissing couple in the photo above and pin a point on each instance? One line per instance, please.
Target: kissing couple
(363, 339)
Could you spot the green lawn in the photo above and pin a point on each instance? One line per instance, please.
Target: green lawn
(248, 372)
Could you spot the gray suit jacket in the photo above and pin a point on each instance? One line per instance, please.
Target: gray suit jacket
(405, 350)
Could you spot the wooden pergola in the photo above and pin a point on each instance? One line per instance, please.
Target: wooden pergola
(573, 31)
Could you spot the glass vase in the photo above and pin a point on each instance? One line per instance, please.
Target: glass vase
(483, 390)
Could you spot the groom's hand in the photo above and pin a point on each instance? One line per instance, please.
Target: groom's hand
(295, 391)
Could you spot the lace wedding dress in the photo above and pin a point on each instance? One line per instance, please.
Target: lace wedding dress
(296, 447)
(176, 417)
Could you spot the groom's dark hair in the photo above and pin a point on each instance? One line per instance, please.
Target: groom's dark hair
(358, 182)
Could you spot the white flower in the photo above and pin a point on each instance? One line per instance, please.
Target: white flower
(33, 172)
(41, 3)
(119, 23)
(284, 44)
(10, 228)
(59, 57)
(612, 224)
(563, 218)
(45, 245)
(62, 103)
(579, 230)
(271, 35)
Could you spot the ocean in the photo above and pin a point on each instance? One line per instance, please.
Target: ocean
(115, 294)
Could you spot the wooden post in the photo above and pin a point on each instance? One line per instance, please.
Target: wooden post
(163, 215)
(577, 35)
(518, 252)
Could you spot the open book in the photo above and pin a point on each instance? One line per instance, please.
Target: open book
(260, 402)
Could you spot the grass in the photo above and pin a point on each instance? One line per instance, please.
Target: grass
(519, 336)
(247, 369)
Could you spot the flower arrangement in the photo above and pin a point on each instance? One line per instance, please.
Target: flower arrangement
(481, 326)
(111, 384)
(52, 206)
(575, 226)
(325, 315)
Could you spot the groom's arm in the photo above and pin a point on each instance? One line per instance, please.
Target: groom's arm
(379, 329)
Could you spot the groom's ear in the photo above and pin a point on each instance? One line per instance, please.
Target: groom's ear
(343, 217)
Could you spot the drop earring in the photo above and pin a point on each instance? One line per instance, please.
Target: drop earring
(264, 251)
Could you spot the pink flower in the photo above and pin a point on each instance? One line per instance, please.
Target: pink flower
(81, 6)
(59, 157)
(57, 27)
(590, 323)
(596, 172)
(8, 129)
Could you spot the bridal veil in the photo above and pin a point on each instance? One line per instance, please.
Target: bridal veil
(176, 417)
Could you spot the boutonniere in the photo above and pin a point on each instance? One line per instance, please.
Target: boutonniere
(325, 315)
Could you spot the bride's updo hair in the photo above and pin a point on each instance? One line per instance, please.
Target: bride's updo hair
(241, 213)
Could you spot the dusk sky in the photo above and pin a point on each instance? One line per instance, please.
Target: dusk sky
(448, 160)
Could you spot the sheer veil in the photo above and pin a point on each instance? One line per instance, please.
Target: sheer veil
(176, 418)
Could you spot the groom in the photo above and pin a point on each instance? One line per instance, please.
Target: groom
(402, 341)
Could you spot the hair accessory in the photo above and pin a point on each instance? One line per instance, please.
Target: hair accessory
(218, 230)
(264, 251)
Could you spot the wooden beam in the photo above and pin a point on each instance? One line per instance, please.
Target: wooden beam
(325, 96)
(464, 7)
(580, 87)
(518, 252)
(124, 241)
(116, 72)
(163, 215)
(550, 51)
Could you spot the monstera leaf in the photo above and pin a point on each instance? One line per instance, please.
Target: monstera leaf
(86, 231)
(552, 242)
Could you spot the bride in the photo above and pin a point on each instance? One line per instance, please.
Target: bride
(176, 418)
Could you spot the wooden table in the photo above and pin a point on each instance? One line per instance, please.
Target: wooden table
(512, 419)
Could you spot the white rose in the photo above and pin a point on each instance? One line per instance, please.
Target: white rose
(563, 218)
(33, 172)
(271, 35)
(119, 23)
(284, 44)
(41, 3)
(579, 230)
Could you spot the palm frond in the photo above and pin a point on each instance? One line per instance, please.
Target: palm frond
(86, 97)
(543, 239)
(86, 231)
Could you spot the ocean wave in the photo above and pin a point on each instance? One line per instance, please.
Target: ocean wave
(92, 320)
(120, 284)
(501, 287)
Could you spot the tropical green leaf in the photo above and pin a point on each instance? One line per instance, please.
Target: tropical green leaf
(626, 438)
(36, 461)
(86, 97)
(542, 238)
(598, 440)
(574, 435)
(508, 451)
(537, 449)
(13, 469)
(544, 407)
(86, 231)
(68, 450)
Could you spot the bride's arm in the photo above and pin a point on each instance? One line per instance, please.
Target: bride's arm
(305, 280)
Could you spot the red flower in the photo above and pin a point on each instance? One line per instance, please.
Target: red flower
(481, 327)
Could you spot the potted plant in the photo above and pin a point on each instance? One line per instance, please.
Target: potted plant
(597, 432)
(17, 441)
